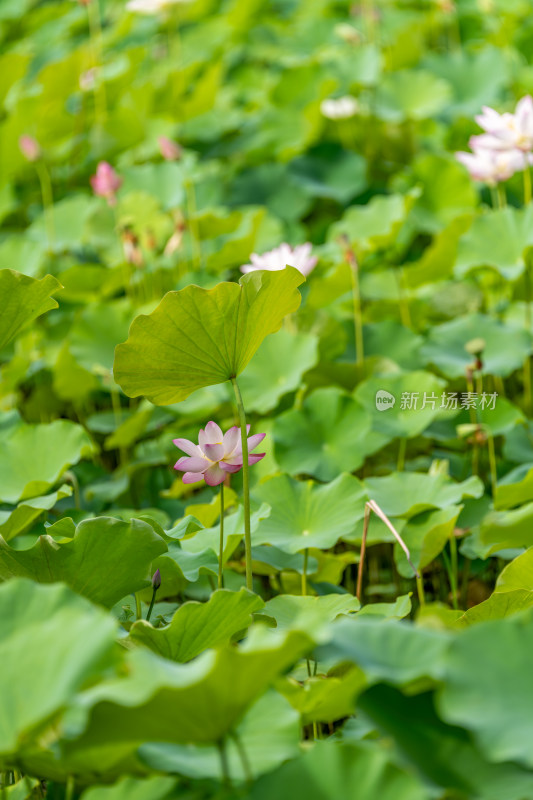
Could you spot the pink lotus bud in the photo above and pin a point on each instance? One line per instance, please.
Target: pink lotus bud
(171, 151)
(29, 147)
(106, 182)
(156, 580)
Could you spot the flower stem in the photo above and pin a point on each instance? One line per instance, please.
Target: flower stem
(245, 487)
(221, 541)
(48, 201)
(152, 601)
(492, 462)
(224, 766)
(420, 590)
(357, 315)
(304, 573)
(359, 589)
(69, 790)
(138, 609)
(246, 768)
(527, 186)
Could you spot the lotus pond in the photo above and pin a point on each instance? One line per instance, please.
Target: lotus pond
(266, 463)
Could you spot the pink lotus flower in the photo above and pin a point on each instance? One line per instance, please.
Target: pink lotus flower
(508, 131)
(30, 148)
(493, 166)
(170, 150)
(151, 6)
(282, 256)
(106, 182)
(216, 454)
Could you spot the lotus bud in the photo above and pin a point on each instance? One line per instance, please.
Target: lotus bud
(30, 148)
(156, 580)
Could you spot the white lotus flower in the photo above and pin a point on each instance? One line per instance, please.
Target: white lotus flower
(151, 6)
(507, 131)
(299, 257)
(340, 107)
(493, 166)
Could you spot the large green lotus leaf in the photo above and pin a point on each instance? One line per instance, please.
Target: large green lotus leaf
(198, 337)
(311, 614)
(330, 172)
(233, 532)
(406, 494)
(51, 643)
(513, 592)
(426, 536)
(27, 512)
(436, 261)
(393, 341)
(305, 514)
(506, 529)
(277, 560)
(388, 650)
(269, 733)
(400, 609)
(23, 300)
(155, 700)
(487, 687)
(159, 787)
(506, 347)
(197, 626)
(515, 488)
(329, 770)
(498, 239)
(95, 333)
(268, 377)
(411, 94)
(420, 389)
(444, 754)
(331, 433)
(324, 698)
(374, 225)
(106, 560)
(163, 181)
(476, 77)
(33, 457)
(447, 192)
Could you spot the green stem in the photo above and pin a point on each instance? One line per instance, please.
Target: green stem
(95, 33)
(420, 590)
(357, 315)
(224, 766)
(304, 573)
(71, 478)
(246, 768)
(527, 186)
(492, 462)
(221, 541)
(359, 588)
(405, 315)
(152, 601)
(400, 466)
(502, 198)
(245, 487)
(138, 609)
(452, 578)
(69, 791)
(196, 246)
(48, 201)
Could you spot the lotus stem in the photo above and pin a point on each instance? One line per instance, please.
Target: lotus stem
(48, 201)
(138, 608)
(221, 540)
(70, 787)
(359, 588)
(304, 572)
(246, 768)
(245, 487)
(224, 765)
(527, 186)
